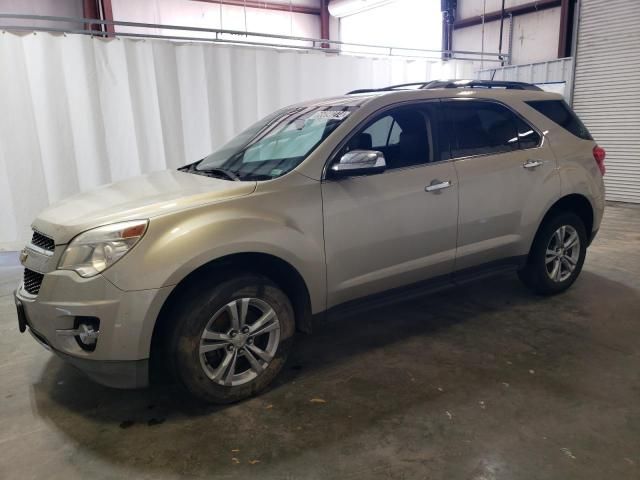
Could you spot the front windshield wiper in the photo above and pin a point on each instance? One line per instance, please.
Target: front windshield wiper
(217, 172)
(210, 172)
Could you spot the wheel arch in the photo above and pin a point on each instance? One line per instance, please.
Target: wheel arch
(576, 203)
(279, 271)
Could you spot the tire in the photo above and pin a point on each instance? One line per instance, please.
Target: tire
(198, 363)
(540, 273)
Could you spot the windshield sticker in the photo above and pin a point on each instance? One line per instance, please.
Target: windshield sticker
(329, 115)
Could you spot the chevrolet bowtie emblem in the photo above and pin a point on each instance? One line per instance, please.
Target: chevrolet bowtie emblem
(23, 256)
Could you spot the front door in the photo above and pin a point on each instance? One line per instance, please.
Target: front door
(395, 228)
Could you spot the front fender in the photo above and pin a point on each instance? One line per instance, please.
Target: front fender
(177, 244)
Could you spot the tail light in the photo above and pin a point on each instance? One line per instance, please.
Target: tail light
(598, 156)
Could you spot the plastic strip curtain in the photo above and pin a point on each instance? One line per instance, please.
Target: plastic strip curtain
(78, 112)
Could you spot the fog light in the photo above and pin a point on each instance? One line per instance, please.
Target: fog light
(86, 331)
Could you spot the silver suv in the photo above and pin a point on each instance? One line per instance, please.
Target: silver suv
(207, 272)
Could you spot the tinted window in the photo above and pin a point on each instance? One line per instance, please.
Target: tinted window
(407, 136)
(527, 136)
(480, 128)
(559, 112)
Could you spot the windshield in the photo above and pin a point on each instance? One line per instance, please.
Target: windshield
(275, 145)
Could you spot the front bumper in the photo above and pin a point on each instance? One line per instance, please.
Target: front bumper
(116, 374)
(126, 321)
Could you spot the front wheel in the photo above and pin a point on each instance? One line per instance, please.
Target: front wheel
(557, 255)
(231, 340)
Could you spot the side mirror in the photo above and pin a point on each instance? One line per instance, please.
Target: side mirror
(358, 162)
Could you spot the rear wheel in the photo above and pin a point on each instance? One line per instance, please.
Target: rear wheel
(231, 340)
(557, 255)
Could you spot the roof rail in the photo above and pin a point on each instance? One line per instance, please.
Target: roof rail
(481, 84)
(402, 86)
(452, 84)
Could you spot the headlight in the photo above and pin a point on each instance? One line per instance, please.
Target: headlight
(95, 250)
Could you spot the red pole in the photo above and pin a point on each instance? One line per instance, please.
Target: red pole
(107, 12)
(324, 22)
(90, 10)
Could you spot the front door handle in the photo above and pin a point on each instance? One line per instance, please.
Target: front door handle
(436, 185)
(532, 163)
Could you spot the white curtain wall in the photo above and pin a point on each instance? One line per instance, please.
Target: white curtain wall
(78, 112)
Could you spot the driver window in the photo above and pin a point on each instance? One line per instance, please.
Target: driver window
(394, 135)
(379, 131)
(404, 135)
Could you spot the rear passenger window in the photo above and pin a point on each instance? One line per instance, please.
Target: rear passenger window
(481, 128)
(559, 112)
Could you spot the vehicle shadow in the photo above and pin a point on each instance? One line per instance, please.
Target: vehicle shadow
(359, 370)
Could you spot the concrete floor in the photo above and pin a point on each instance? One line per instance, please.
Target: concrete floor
(481, 382)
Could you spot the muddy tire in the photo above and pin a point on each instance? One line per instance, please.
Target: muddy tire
(230, 341)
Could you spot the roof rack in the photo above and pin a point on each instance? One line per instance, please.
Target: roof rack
(481, 84)
(452, 84)
(402, 86)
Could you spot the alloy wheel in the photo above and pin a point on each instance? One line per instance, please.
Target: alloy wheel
(239, 341)
(562, 254)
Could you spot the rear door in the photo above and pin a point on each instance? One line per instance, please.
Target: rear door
(507, 180)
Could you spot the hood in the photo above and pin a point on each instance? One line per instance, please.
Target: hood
(137, 198)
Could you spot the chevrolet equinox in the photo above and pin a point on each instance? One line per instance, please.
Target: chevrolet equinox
(208, 271)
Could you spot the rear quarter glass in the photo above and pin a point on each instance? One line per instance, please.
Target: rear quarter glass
(560, 113)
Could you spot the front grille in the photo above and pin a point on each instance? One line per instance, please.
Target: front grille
(42, 241)
(32, 281)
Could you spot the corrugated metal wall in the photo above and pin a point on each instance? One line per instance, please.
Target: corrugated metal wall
(553, 71)
(607, 89)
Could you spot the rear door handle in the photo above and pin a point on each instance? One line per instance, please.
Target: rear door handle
(436, 185)
(532, 163)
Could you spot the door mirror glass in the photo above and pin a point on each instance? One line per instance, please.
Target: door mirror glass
(358, 162)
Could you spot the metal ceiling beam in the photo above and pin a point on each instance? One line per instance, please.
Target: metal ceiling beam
(530, 7)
